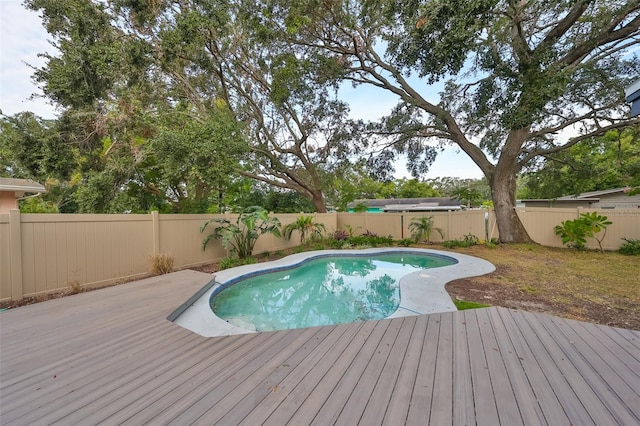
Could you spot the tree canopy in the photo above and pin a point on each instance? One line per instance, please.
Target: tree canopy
(605, 162)
(166, 104)
(517, 74)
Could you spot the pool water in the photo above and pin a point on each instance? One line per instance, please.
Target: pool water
(322, 291)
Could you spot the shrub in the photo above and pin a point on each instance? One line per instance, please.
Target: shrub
(340, 235)
(575, 232)
(161, 264)
(405, 242)
(341, 240)
(232, 262)
(370, 240)
(468, 241)
(630, 248)
(228, 262)
(306, 227)
(422, 227)
(75, 286)
(243, 234)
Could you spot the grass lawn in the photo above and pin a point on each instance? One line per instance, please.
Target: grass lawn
(585, 285)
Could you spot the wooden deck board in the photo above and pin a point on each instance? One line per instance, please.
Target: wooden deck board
(388, 381)
(299, 381)
(484, 401)
(594, 390)
(503, 390)
(335, 403)
(259, 387)
(110, 356)
(401, 396)
(361, 394)
(463, 414)
(419, 408)
(533, 388)
(442, 398)
(212, 384)
(596, 371)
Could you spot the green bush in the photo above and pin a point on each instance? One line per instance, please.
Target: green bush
(232, 262)
(228, 262)
(406, 242)
(630, 248)
(422, 227)
(468, 241)
(368, 239)
(575, 232)
(306, 227)
(242, 235)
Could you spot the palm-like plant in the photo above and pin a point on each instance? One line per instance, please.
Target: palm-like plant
(306, 227)
(421, 228)
(243, 234)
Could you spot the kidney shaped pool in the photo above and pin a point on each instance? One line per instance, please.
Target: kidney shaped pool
(326, 287)
(321, 291)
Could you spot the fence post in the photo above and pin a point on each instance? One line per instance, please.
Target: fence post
(155, 226)
(15, 252)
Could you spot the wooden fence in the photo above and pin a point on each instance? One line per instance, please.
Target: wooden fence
(42, 253)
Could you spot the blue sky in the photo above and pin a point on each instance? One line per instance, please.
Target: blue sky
(22, 37)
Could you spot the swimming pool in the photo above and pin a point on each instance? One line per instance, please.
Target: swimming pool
(421, 290)
(324, 290)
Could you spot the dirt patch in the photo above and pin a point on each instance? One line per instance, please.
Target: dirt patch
(595, 287)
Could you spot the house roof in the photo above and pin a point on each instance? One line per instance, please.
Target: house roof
(593, 196)
(632, 95)
(406, 202)
(20, 185)
(418, 207)
(632, 89)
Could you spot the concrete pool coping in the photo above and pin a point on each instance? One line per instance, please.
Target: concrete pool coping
(421, 292)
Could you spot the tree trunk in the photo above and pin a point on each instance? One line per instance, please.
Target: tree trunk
(503, 193)
(317, 198)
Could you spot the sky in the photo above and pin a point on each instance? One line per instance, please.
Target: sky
(22, 38)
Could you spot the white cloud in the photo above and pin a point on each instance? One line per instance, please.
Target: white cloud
(22, 38)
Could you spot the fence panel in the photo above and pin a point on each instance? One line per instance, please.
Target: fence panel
(55, 251)
(540, 222)
(455, 225)
(62, 250)
(180, 237)
(5, 258)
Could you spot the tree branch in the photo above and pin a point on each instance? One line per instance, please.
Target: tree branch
(573, 141)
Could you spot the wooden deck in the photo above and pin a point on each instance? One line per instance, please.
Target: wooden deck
(110, 357)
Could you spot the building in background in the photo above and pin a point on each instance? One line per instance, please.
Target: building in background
(11, 190)
(617, 198)
(405, 205)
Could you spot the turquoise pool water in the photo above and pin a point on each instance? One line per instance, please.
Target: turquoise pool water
(321, 291)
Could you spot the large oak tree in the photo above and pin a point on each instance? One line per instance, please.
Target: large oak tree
(523, 79)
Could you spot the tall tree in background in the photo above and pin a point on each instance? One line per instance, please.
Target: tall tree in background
(33, 148)
(143, 144)
(518, 74)
(605, 162)
(219, 50)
